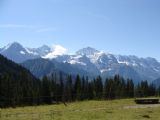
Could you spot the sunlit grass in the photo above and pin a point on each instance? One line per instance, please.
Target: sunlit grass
(85, 110)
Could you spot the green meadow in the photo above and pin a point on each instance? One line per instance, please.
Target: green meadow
(124, 109)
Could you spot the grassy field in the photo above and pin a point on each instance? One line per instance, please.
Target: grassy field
(124, 109)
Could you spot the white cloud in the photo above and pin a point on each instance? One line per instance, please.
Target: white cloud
(57, 50)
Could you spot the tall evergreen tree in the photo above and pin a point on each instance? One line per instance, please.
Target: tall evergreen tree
(68, 92)
(109, 89)
(129, 89)
(46, 90)
(78, 88)
(98, 87)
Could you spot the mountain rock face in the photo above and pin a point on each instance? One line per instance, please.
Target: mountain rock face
(86, 61)
(87, 51)
(42, 67)
(156, 82)
(41, 51)
(107, 64)
(19, 54)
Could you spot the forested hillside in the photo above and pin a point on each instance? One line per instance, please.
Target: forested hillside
(18, 87)
(16, 83)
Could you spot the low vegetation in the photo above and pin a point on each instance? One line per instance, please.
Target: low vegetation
(84, 110)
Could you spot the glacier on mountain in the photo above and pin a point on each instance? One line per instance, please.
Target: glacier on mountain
(90, 60)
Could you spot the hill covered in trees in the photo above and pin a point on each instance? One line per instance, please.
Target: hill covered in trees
(16, 83)
(18, 87)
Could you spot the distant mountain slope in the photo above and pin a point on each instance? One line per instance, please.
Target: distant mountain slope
(7, 67)
(40, 67)
(108, 64)
(87, 61)
(41, 51)
(148, 68)
(126, 71)
(19, 54)
(157, 82)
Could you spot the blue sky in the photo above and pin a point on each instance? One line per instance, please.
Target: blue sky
(127, 27)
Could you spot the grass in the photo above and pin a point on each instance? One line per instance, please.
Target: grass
(85, 110)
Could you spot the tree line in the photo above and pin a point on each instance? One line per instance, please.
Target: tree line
(24, 90)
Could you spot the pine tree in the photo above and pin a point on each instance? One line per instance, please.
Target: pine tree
(78, 88)
(68, 89)
(152, 90)
(61, 88)
(90, 92)
(109, 89)
(129, 89)
(46, 90)
(98, 88)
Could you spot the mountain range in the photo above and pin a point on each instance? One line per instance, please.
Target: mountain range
(86, 61)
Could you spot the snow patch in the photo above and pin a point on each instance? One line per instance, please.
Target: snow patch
(77, 62)
(155, 69)
(95, 56)
(134, 64)
(123, 62)
(6, 47)
(31, 52)
(77, 57)
(22, 52)
(105, 70)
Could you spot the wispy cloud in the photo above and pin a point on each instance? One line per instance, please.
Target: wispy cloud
(16, 26)
(45, 30)
(38, 29)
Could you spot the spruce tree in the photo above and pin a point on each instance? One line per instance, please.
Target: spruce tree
(46, 90)
(78, 88)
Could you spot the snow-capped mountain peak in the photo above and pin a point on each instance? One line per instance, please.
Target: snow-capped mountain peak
(90, 60)
(13, 45)
(18, 53)
(45, 48)
(87, 51)
(41, 51)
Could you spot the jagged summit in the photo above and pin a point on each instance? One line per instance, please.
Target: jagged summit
(41, 51)
(14, 45)
(16, 52)
(87, 51)
(90, 60)
(44, 47)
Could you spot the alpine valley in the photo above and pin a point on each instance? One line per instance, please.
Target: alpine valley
(86, 62)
